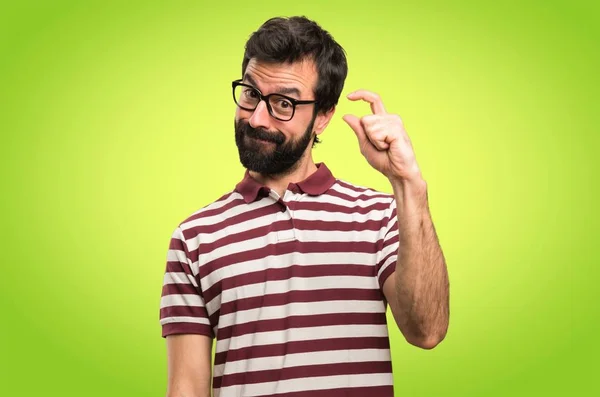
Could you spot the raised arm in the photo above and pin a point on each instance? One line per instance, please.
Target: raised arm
(418, 290)
(189, 365)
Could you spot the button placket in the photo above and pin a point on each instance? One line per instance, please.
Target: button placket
(286, 215)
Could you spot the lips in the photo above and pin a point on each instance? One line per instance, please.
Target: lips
(243, 129)
(262, 138)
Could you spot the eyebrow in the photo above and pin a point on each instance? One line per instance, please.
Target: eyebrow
(279, 90)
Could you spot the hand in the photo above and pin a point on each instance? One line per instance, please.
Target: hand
(383, 140)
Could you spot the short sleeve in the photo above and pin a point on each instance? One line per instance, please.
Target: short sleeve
(388, 254)
(182, 308)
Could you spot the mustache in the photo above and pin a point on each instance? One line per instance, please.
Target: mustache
(260, 133)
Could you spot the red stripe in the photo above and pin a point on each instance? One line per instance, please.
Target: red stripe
(176, 244)
(214, 317)
(320, 295)
(394, 224)
(386, 273)
(304, 346)
(358, 189)
(194, 231)
(373, 226)
(178, 267)
(183, 311)
(335, 226)
(203, 211)
(353, 187)
(186, 328)
(337, 208)
(306, 371)
(364, 197)
(382, 262)
(206, 211)
(262, 231)
(179, 289)
(391, 241)
(302, 271)
(370, 391)
(394, 214)
(285, 248)
(316, 320)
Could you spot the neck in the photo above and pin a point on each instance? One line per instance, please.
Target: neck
(280, 182)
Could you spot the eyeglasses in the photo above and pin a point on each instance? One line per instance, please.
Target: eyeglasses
(280, 107)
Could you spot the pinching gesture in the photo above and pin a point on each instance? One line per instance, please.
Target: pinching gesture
(383, 140)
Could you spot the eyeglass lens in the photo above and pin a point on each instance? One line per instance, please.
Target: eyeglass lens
(249, 98)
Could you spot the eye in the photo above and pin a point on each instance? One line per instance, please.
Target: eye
(250, 93)
(284, 104)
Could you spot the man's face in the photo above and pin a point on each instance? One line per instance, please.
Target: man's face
(267, 145)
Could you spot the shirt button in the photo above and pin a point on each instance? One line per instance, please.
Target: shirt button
(282, 205)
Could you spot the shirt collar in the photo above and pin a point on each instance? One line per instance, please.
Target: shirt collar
(315, 184)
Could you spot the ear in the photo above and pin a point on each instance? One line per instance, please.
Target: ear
(322, 120)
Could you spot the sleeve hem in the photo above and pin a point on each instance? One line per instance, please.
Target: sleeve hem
(186, 328)
(390, 268)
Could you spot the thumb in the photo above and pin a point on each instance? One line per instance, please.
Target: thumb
(354, 123)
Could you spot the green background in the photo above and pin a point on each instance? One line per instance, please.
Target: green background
(116, 124)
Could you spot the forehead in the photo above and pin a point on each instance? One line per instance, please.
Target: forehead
(271, 76)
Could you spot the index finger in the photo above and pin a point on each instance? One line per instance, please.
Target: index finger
(371, 97)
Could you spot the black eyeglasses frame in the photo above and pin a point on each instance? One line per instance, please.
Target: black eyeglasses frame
(265, 98)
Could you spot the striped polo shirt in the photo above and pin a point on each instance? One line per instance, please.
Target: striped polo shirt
(290, 287)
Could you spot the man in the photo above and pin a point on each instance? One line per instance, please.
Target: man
(292, 271)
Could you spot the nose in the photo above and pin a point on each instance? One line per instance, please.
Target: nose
(260, 117)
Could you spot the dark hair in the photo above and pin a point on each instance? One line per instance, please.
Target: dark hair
(293, 39)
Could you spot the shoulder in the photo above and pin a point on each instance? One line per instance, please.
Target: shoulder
(210, 212)
(354, 192)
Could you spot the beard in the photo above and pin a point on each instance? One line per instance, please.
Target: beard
(274, 157)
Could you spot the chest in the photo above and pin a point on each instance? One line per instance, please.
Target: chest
(287, 257)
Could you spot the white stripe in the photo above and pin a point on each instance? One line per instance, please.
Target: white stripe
(357, 203)
(303, 236)
(305, 384)
(271, 238)
(300, 359)
(354, 193)
(393, 232)
(389, 248)
(326, 236)
(302, 334)
(176, 256)
(181, 300)
(327, 216)
(213, 206)
(304, 215)
(231, 230)
(300, 309)
(268, 219)
(285, 260)
(268, 287)
(392, 248)
(184, 319)
(224, 216)
(181, 257)
(179, 278)
(233, 195)
(242, 246)
(297, 284)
